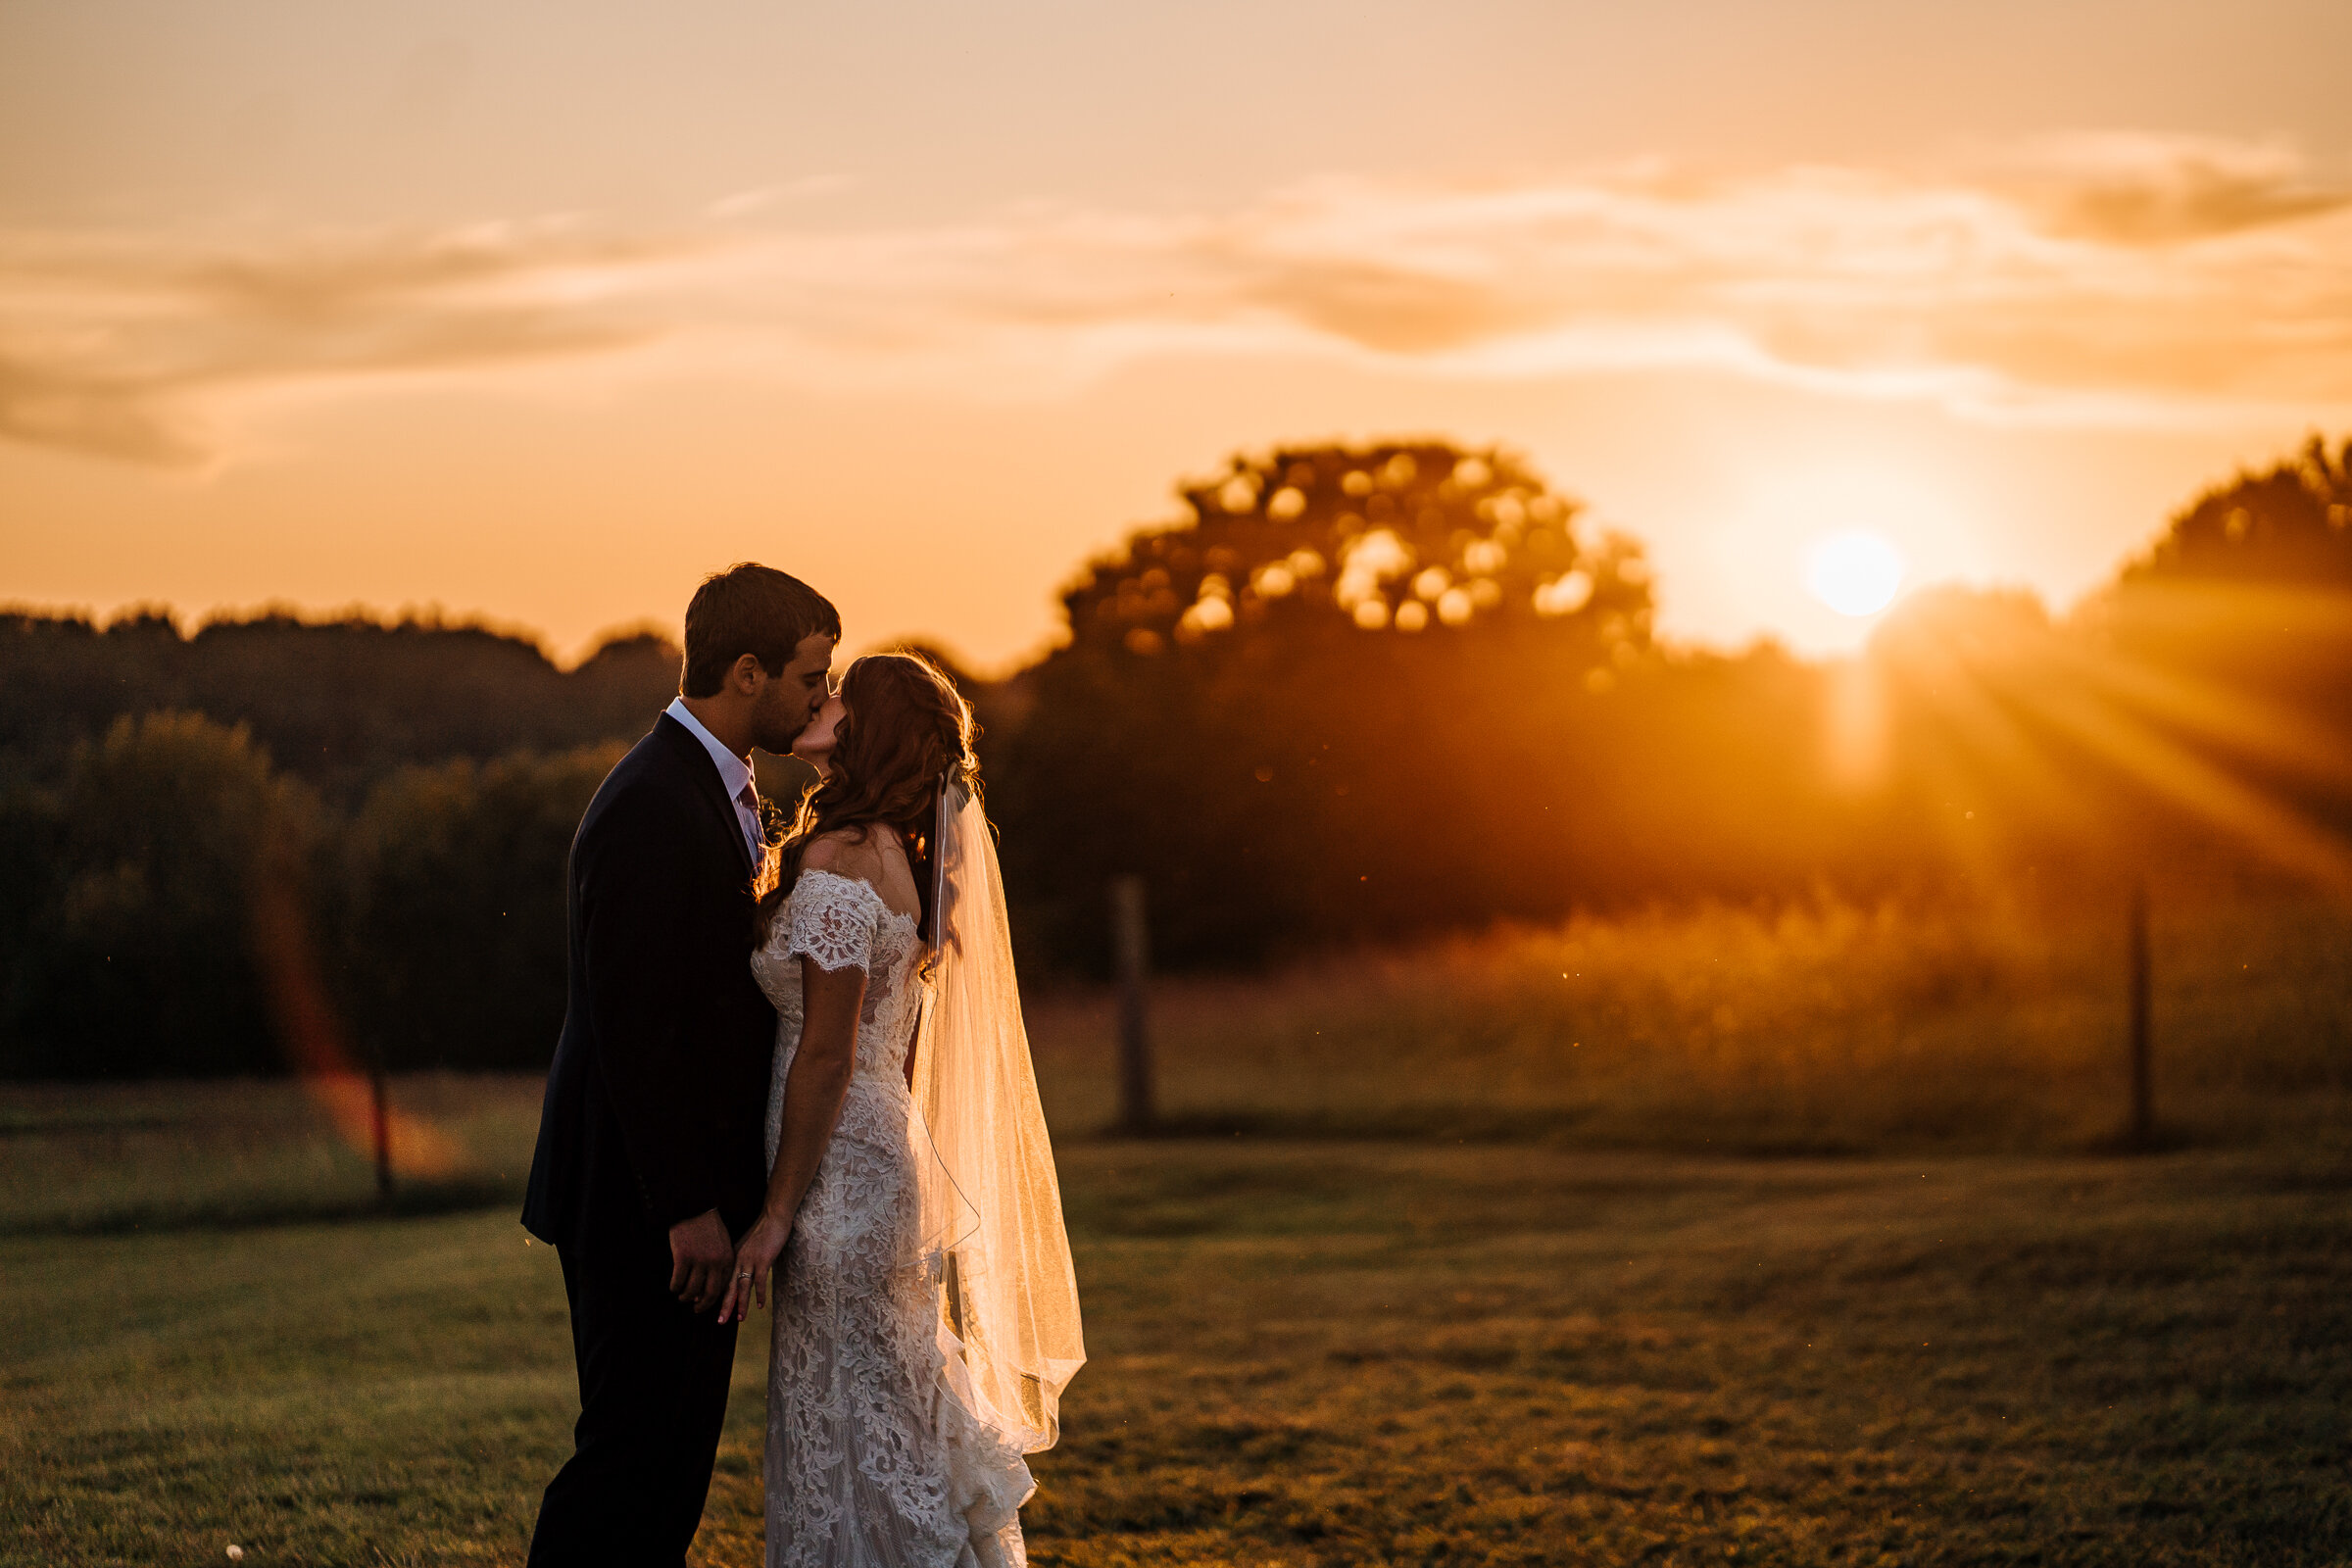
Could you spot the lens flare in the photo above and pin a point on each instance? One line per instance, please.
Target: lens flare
(312, 1032)
(1855, 573)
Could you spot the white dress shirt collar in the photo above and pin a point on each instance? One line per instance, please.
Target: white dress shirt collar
(734, 776)
(733, 771)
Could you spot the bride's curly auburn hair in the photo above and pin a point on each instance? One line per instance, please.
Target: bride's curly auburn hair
(904, 730)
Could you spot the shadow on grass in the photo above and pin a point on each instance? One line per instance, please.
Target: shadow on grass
(2125, 1142)
(1482, 1124)
(12, 1126)
(415, 1199)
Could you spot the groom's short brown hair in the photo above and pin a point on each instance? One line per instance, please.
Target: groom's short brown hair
(755, 610)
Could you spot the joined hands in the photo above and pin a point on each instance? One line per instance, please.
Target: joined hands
(755, 1260)
(701, 1257)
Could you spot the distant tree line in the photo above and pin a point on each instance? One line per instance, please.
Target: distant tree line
(1352, 694)
(338, 705)
(1363, 691)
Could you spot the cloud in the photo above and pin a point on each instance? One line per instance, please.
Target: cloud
(2016, 297)
(2134, 188)
(745, 203)
(2115, 278)
(126, 350)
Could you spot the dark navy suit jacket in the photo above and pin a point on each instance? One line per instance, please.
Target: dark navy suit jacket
(658, 1099)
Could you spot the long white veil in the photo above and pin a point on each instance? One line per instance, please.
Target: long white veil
(992, 1205)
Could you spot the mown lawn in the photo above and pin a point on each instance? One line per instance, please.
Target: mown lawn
(1454, 1266)
(1314, 1352)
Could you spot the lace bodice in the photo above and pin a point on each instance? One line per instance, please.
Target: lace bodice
(842, 923)
(874, 1458)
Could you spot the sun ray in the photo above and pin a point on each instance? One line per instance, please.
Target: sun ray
(2276, 832)
(2230, 716)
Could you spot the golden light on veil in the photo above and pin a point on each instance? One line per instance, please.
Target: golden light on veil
(991, 1201)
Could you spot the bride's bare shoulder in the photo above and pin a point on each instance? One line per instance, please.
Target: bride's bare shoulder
(873, 856)
(848, 851)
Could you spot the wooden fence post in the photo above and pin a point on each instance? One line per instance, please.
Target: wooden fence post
(2143, 1088)
(383, 1131)
(1132, 945)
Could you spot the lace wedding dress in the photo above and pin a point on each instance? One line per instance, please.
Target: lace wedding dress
(874, 1456)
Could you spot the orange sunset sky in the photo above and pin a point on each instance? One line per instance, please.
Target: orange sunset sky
(537, 311)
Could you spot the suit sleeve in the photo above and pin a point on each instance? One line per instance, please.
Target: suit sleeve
(636, 894)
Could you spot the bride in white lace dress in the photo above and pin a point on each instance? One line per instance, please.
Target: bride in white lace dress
(926, 1315)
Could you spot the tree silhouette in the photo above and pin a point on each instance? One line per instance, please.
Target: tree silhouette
(2289, 526)
(339, 703)
(1353, 693)
(451, 908)
(1398, 537)
(134, 946)
(1315, 707)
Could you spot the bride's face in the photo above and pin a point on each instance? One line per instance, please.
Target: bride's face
(815, 743)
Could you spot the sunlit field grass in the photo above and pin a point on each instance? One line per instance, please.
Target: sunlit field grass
(1556, 1312)
(82, 1158)
(1820, 1028)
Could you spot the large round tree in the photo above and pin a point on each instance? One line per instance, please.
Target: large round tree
(1321, 703)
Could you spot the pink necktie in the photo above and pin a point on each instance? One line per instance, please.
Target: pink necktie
(750, 799)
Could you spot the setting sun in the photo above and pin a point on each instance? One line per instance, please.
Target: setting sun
(1855, 573)
(552, 319)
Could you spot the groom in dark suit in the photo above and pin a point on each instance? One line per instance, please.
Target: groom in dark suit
(651, 1157)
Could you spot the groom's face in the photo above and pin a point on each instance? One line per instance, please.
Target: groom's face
(788, 702)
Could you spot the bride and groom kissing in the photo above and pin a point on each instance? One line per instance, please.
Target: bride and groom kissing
(800, 1065)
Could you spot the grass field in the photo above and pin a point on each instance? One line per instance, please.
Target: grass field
(1818, 1028)
(1544, 1319)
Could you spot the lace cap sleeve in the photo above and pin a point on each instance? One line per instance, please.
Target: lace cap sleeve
(831, 919)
